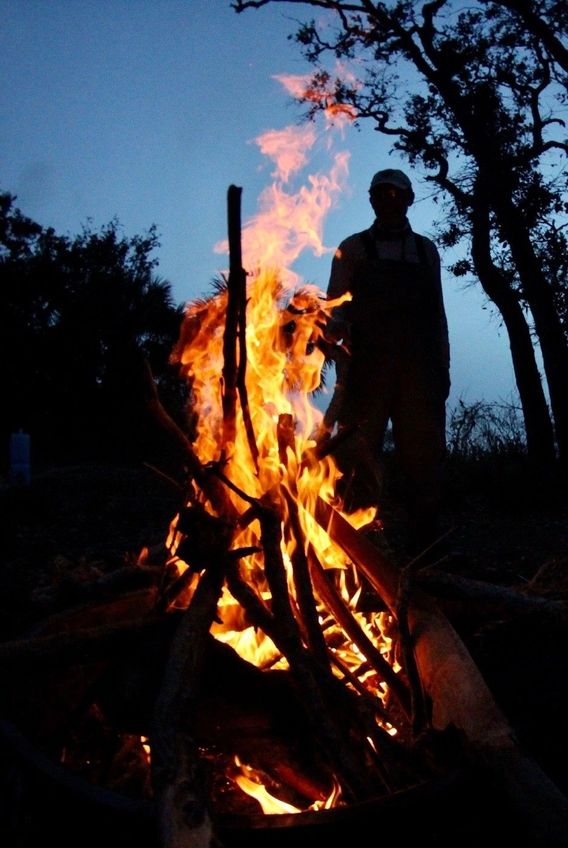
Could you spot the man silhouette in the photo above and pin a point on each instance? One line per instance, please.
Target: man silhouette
(397, 370)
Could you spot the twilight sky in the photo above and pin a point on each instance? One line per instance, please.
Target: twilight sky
(148, 110)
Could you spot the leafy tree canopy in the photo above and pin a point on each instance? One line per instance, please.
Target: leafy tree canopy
(79, 315)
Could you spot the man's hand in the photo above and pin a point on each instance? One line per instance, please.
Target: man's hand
(333, 336)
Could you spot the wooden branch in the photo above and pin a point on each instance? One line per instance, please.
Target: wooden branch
(304, 592)
(79, 643)
(335, 604)
(253, 605)
(380, 573)
(242, 369)
(73, 591)
(356, 778)
(172, 591)
(177, 778)
(419, 712)
(479, 598)
(208, 483)
(374, 703)
(289, 637)
(166, 477)
(234, 368)
(302, 581)
(243, 395)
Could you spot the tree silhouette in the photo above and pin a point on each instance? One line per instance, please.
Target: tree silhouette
(79, 315)
(475, 95)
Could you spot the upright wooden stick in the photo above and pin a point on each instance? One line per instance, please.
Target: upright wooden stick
(232, 318)
(234, 341)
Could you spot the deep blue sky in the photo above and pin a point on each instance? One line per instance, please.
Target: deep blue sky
(147, 110)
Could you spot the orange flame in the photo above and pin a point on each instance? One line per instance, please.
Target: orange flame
(251, 782)
(284, 323)
(301, 86)
(288, 222)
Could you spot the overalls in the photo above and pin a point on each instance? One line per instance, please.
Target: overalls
(395, 374)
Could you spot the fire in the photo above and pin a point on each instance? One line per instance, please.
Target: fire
(251, 780)
(285, 321)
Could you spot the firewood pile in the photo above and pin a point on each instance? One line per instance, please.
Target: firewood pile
(138, 714)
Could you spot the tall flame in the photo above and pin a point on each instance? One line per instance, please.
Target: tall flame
(284, 324)
(289, 222)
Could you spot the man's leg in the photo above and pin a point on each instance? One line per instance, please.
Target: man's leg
(364, 411)
(419, 431)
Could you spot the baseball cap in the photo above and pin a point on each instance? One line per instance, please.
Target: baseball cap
(391, 176)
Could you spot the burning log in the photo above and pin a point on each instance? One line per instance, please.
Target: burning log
(459, 696)
(338, 609)
(314, 681)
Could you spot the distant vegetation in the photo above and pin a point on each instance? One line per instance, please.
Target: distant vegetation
(480, 428)
(78, 318)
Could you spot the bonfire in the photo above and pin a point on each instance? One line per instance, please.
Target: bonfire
(277, 669)
(266, 562)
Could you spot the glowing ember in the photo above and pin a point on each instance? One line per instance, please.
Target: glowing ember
(250, 780)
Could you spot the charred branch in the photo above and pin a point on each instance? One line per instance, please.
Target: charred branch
(482, 600)
(336, 606)
(355, 777)
(304, 592)
(71, 592)
(302, 582)
(419, 712)
(202, 475)
(232, 318)
(234, 340)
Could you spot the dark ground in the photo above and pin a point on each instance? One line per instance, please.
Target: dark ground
(507, 527)
(74, 523)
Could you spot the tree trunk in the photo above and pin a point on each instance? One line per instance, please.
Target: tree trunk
(476, 117)
(538, 426)
(538, 294)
